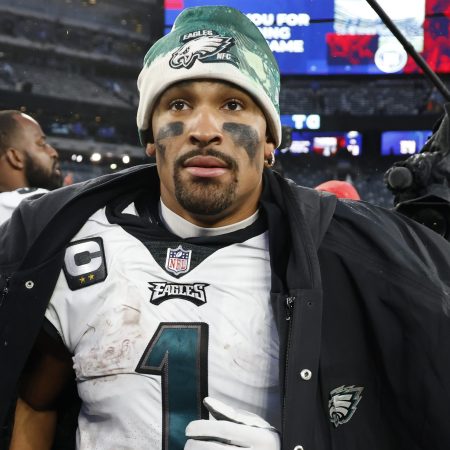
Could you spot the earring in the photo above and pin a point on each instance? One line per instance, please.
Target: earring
(270, 162)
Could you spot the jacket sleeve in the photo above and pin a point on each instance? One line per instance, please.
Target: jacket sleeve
(399, 271)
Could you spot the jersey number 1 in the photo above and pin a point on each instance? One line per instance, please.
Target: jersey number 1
(178, 353)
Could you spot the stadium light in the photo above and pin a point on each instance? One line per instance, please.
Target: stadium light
(96, 157)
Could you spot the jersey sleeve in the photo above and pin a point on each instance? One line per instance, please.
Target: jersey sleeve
(10, 200)
(56, 314)
(80, 290)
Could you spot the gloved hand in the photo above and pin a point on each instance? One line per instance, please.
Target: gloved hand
(233, 429)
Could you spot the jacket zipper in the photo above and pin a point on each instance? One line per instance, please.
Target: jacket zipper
(5, 289)
(289, 309)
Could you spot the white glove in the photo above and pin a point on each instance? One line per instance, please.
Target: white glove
(233, 429)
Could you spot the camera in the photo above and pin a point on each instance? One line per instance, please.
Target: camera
(420, 184)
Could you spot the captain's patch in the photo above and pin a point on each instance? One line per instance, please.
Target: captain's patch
(84, 263)
(194, 292)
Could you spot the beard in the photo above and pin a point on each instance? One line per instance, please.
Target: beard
(37, 177)
(207, 197)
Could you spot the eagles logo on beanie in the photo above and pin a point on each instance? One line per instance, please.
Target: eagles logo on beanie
(211, 42)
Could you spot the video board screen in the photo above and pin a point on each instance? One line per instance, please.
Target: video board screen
(403, 143)
(331, 37)
(325, 143)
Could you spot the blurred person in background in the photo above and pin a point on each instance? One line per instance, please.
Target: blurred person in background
(341, 189)
(29, 165)
(209, 303)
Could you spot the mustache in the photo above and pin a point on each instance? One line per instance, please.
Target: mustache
(228, 160)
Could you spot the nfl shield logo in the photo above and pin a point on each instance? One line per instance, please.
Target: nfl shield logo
(178, 260)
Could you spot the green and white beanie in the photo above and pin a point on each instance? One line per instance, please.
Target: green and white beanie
(211, 42)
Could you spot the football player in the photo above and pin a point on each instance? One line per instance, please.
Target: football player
(207, 302)
(29, 165)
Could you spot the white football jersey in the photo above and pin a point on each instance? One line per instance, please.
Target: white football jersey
(154, 327)
(10, 200)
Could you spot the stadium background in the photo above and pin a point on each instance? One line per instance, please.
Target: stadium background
(73, 65)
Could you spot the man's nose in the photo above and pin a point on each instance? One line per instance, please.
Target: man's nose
(52, 151)
(205, 127)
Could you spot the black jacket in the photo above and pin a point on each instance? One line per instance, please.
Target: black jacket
(360, 295)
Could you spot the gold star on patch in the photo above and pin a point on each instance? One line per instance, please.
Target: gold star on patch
(82, 280)
(91, 276)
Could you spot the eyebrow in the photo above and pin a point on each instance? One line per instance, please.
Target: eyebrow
(179, 86)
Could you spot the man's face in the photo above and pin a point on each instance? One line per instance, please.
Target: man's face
(210, 145)
(41, 161)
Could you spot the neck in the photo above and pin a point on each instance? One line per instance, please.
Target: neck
(11, 178)
(186, 229)
(11, 185)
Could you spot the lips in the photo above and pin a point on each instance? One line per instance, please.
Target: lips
(206, 166)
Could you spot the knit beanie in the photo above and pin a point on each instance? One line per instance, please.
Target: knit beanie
(211, 42)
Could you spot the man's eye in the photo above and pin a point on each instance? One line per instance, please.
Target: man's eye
(178, 105)
(234, 105)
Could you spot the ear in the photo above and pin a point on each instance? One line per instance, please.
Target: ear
(269, 147)
(150, 149)
(15, 158)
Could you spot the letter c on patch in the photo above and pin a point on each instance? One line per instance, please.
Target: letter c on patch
(84, 263)
(83, 258)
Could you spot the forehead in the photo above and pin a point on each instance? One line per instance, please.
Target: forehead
(28, 126)
(205, 85)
